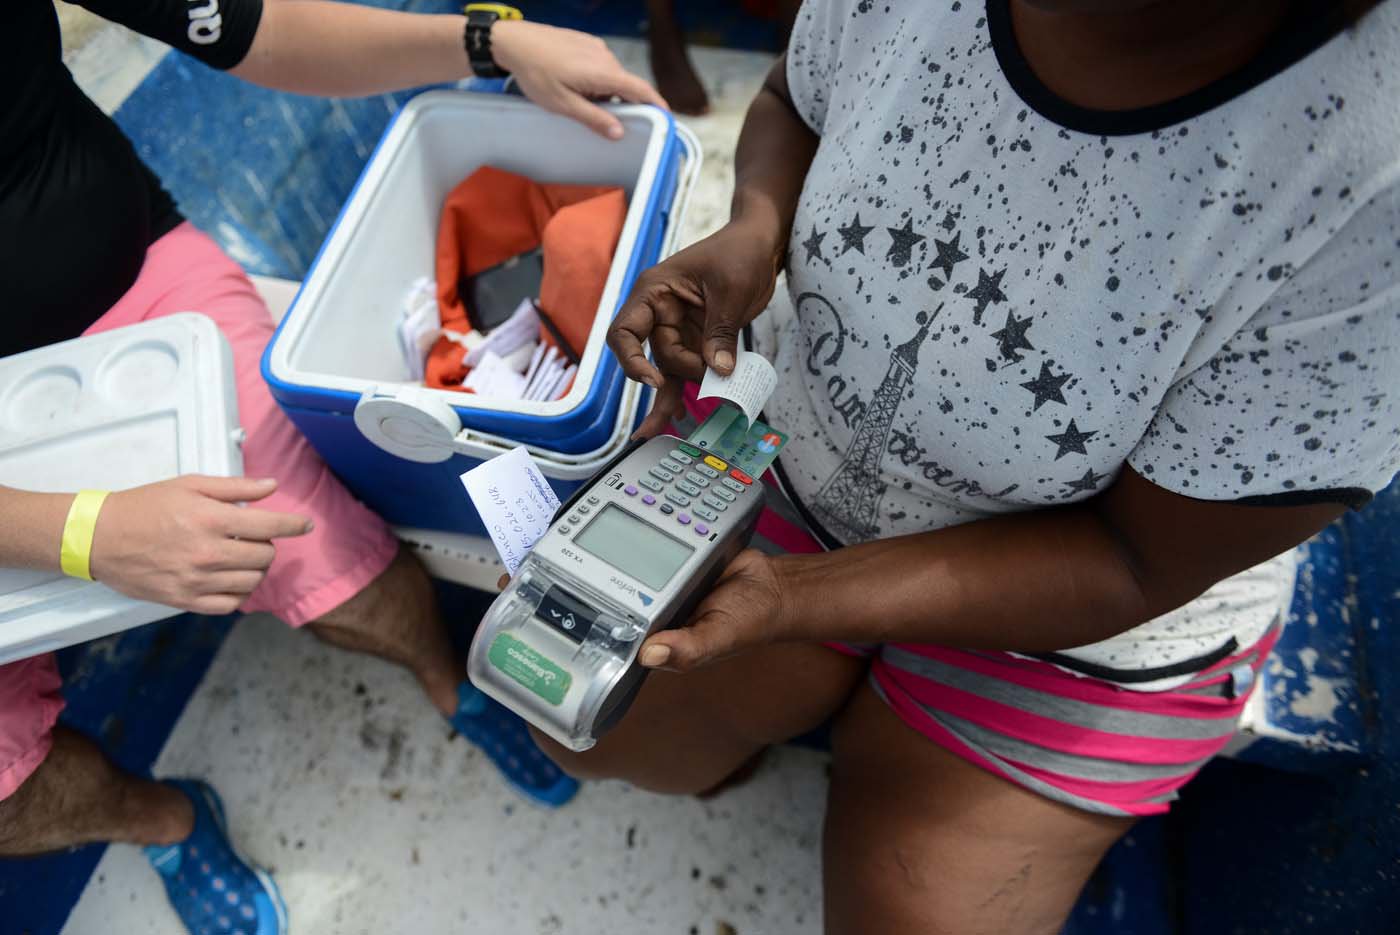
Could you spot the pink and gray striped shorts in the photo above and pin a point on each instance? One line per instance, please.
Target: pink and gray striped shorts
(1072, 738)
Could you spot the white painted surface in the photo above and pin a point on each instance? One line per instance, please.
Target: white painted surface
(340, 777)
(276, 293)
(107, 61)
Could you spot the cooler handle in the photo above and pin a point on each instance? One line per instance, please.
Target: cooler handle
(680, 201)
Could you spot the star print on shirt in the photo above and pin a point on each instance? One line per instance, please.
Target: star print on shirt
(1086, 484)
(902, 241)
(1012, 338)
(1047, 386)
(988, 291)
(813, 245)
(1071, 440)
(949, 254)
(853, 236)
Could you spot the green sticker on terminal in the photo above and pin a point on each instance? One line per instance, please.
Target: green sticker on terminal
(524, 663)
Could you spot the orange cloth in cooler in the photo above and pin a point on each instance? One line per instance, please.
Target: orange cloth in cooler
(494, 215)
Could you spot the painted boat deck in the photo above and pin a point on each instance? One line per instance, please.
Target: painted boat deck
(338, 775)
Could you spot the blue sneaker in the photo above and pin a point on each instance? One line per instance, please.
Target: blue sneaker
(214, 890)
(506, 740)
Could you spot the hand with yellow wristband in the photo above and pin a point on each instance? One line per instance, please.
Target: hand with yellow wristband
(185, 543)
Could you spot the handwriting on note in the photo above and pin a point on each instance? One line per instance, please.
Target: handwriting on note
(515, 502)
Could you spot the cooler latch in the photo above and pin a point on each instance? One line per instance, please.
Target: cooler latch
(408, 422)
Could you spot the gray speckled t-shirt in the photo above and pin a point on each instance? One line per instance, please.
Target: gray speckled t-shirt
(1000, 301)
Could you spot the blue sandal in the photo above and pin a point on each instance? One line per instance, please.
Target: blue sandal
(503, 736)
(212, 888)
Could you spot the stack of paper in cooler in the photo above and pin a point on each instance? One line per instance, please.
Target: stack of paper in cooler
(509, 363)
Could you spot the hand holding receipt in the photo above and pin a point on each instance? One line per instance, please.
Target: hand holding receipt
(748, 385)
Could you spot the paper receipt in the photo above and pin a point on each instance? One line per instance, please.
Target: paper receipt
(748, 386)
(516, 503)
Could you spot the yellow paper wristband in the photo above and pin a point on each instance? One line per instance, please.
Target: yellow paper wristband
(75, 554)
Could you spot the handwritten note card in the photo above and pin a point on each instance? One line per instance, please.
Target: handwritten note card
(748, 386)
(515, 502)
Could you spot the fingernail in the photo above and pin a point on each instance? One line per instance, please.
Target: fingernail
(265, 481)
(615, 133)
(653, 656)
(310, 525)
(652, 382)
(724, 360)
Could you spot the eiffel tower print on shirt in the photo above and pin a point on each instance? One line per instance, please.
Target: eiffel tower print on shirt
(849, 502)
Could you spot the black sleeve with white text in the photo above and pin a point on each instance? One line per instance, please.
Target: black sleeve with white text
(217, 32)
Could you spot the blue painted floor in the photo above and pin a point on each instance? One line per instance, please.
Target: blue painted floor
(1279, 854)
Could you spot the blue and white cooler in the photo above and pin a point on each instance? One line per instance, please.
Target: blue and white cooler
(335, 366)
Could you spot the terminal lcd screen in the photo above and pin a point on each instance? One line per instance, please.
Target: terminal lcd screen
(633, 547)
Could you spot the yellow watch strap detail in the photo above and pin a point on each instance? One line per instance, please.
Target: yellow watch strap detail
(75, 554)
(501, 10)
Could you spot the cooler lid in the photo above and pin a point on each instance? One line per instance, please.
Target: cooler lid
(112, 411)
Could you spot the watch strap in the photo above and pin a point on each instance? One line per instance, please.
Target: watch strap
(477, 36)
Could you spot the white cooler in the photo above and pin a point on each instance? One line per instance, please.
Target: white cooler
(112, 411)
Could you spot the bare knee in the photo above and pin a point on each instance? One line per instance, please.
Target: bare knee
(574, 764)
(401, 595)
(613, 759)
(396, 618)
(687, 734)
(77, 796)
(67, 774)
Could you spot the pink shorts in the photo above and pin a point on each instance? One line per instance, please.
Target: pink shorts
(1082, 741)
(312, 575)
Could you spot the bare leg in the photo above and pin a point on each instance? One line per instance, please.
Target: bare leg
(919, 841)
(396, 618)
(675, 75)
(77, 796)
(685, 734)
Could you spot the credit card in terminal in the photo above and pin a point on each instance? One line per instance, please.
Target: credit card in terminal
(750, 448)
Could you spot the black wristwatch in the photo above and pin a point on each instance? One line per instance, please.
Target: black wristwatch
(480, 18)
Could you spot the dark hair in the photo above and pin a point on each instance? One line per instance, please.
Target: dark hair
(1354, 10)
